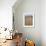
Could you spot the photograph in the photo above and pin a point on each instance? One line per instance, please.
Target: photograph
(22, 22)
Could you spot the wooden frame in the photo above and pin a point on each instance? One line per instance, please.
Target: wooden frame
(28, 20)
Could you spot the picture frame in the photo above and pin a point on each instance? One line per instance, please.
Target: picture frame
(28, 20)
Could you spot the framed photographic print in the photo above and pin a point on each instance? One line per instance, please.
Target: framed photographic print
(28, 20)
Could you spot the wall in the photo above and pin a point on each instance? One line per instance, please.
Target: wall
(43, 22)
(6, 13)
(33, 33)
